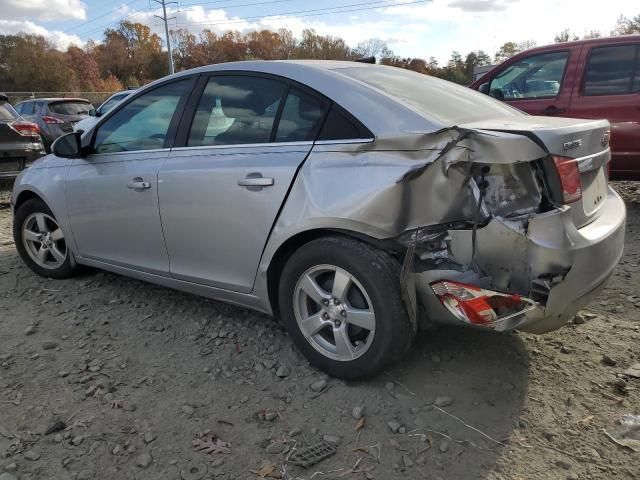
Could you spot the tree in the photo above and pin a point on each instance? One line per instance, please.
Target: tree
(86, 72)
(509, 49)
(592, 34)
(565, 36)
(30, 63)
(374, 47)
(627, 26)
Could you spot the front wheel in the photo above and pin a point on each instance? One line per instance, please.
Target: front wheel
(342, 304)
(40, 240)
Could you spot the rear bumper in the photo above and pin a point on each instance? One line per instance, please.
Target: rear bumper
(14, 161)
(563, 268)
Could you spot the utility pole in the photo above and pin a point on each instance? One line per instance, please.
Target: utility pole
(164, 18)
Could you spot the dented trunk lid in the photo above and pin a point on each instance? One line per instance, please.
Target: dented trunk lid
(586, 141)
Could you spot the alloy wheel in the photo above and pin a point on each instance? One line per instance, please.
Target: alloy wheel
(44, 241)
(334, 312)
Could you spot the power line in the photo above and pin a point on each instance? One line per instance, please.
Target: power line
(98, 17)
(318, 11)
(183, 9)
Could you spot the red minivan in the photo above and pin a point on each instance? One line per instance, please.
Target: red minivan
(598, 78)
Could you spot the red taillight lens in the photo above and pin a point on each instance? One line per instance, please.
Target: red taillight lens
(477, 305)
(51, 120)
(26, 129)
(569, 178)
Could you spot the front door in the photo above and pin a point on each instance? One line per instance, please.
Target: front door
(221, 192)
(539, 84)
(112, 194)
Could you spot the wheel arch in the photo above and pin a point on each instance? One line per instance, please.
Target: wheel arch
(25, 195)
(288, 247)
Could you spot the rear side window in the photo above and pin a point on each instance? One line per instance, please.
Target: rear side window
(143, 123)
(7, 113)
(236, 110)
(612, 71)
(301, 118)
(339, 125)
(70, 108)
(538, 76)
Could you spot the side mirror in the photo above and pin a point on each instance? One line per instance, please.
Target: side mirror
(67, 146)
(484, 88)
(93, 112)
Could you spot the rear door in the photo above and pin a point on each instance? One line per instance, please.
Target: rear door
(610, 89)
(221, 191)
(539, 84)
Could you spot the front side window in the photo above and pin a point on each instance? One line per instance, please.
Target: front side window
(301, 118)
(236, 110)
(610, 71)
(539, 76)
(143, 123)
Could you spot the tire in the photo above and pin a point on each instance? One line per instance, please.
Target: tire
(49, 256)
(330, 339)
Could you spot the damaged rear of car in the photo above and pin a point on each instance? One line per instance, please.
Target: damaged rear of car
(499, 220)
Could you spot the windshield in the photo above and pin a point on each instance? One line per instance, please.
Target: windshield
(436, 98)
(70, 108)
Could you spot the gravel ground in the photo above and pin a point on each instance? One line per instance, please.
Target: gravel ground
(110, 378)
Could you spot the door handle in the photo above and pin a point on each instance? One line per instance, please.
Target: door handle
(138, 184)
(552, 110)
(255, 181)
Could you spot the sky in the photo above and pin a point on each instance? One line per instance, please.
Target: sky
(411, 28)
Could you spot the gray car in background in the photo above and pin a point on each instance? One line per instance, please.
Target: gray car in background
(355, 202)
(20, 143)
(54, 116)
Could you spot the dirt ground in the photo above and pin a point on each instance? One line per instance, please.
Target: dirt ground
(110, 378)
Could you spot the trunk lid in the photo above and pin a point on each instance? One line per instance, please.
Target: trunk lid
(585, 141)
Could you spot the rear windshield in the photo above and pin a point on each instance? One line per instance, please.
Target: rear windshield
(436, 98)
(7, 113)
(70, 108)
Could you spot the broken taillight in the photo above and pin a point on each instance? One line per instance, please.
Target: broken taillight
(479, 306)
(569, 174)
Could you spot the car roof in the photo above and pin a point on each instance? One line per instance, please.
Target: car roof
(589, 41)
(55, 99)
(379, 112)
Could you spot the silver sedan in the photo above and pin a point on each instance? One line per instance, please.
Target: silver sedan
(357, 203)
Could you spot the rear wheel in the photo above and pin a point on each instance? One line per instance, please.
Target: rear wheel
(40, 240)
(342, 304)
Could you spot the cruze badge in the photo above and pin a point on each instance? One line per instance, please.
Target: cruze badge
(605, 139)
(572, 144)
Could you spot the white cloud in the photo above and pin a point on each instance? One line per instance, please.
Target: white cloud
(44, 10)
(59, 39)
(466, 25)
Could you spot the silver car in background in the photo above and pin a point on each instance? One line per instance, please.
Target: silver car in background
(95, 114)
(355, 202)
